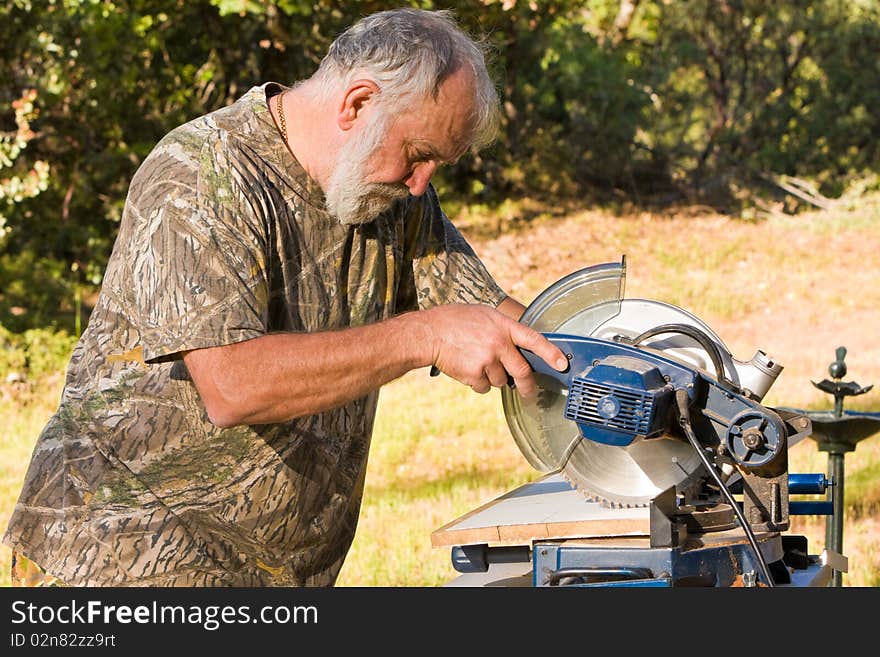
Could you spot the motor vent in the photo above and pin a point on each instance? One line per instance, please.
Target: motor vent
(619, 399)
(609, 406)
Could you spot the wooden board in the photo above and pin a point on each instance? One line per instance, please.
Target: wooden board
(547, 508)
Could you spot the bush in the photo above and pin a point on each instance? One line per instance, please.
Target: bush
(35, 291)
(34, 355)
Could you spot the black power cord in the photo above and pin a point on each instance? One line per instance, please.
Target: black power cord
(701, 337)
(681, 400)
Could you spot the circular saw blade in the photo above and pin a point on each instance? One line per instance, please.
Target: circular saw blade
(634, 475)
(589, 303)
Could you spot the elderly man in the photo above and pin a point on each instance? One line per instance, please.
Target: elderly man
(279, 260)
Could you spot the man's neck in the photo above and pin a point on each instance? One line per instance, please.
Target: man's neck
(306, 120)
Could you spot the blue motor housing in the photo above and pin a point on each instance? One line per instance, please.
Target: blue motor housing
(618, 392)
(619, 399)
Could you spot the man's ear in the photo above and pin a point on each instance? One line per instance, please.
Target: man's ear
(356, 98)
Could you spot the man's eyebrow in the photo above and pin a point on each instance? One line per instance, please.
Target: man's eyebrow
(425, 145)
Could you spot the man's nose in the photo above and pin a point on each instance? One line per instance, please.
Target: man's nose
(418, 180)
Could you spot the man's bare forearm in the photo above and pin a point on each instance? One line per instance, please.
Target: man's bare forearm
(281, 376)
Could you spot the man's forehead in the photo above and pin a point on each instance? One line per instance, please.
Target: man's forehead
(448, 116)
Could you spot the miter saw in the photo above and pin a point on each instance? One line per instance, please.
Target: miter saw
(662, 465)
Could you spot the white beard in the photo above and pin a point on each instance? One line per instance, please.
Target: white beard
(348, 197)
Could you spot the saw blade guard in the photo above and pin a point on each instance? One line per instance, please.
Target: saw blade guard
(590, 303)
(583, 301)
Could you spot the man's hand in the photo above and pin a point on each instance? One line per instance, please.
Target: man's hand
(477, 346)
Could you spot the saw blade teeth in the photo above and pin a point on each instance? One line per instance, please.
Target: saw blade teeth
(592, 496)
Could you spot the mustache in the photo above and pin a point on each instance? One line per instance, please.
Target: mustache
(393, 191)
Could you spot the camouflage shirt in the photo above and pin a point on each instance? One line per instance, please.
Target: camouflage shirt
(224, 238)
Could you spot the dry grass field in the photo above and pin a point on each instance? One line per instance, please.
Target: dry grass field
(795, 286)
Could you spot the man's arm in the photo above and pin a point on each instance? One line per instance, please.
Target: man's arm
(512, 308)
(281, 376)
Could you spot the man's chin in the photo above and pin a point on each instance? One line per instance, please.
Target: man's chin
(369, 206)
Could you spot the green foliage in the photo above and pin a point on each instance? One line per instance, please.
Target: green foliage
(20, 185)
(35, 291)
(571, 108)
(746, 93)
(33, 355)
(710, 101)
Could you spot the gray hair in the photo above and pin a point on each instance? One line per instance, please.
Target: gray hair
(409, 53)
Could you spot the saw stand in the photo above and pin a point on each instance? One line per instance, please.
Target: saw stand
(838, 433)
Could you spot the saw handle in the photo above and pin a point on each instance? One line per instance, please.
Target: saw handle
(540, 366)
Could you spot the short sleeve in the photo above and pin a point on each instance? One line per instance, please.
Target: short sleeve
(445, 268)
(194, 252)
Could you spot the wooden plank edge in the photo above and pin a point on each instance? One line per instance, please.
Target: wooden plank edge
(527, 534)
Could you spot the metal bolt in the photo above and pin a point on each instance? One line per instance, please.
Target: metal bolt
(753, 439)
(750, 579)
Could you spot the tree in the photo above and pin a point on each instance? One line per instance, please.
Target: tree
(646, 100)
(19, 186)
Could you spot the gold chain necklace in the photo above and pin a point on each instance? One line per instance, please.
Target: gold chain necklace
(281, 118)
